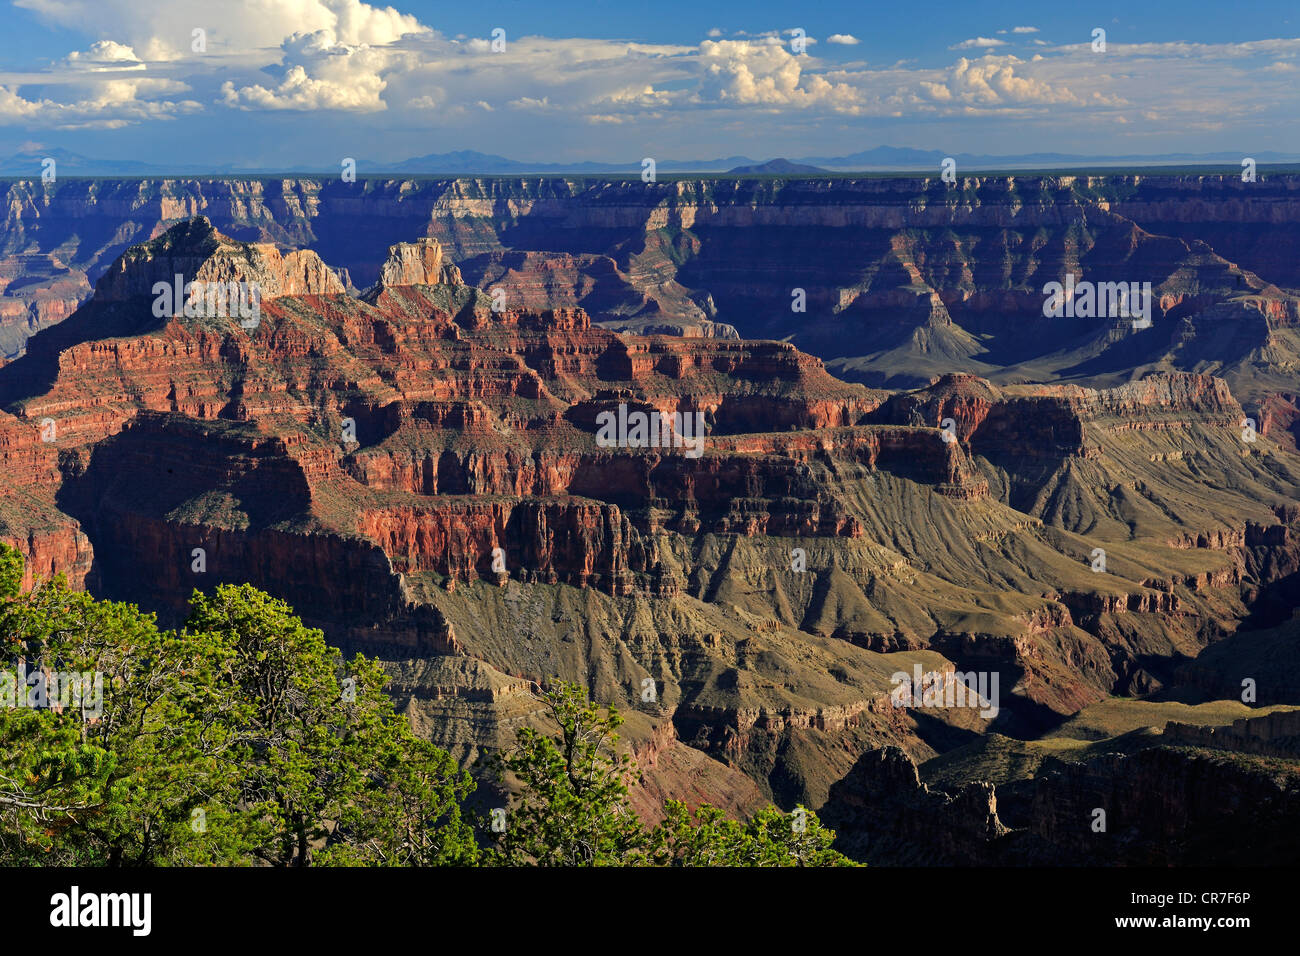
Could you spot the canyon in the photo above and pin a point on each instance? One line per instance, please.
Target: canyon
(918, 470)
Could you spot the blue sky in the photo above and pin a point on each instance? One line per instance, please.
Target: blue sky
(283, 83)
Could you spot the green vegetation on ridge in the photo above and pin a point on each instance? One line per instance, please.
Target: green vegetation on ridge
(244, 740)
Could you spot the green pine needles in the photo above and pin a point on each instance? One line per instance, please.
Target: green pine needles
(243, 739)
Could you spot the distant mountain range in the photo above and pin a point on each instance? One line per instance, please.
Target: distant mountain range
(30, 163)
(777, 167)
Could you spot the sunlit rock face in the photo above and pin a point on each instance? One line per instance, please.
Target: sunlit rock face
(416, 467)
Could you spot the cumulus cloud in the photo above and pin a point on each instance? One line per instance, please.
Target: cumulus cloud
(748, 72)
(843, 39)
(764, 72)
(320, 73)
(321, 53)
(162, 30)
(993, 80)
(13, 106)
(104, 56)
(1024, 29)
(112, 105)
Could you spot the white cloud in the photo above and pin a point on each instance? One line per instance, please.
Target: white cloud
(112, 105)
(13, 106)
(993, 80)
(321, 73)
(355, 57)
(977, 43)
(765, 73)
(162, 30)
(104, 56)
(748, 72)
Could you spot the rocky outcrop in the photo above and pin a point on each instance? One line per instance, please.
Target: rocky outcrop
(201, 254)
(577, 542)
(425, 477)
(892, 281)
(884, 815)
(1164, 807)
(1160, 806)
(417, 263)
(1274, 735)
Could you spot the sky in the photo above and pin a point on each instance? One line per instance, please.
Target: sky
(281, 84)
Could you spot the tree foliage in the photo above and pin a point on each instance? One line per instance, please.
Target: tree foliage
(706, 837)
(325, 764)
(110, 781)
(571, 806)
(243, 738)
(11, 571)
